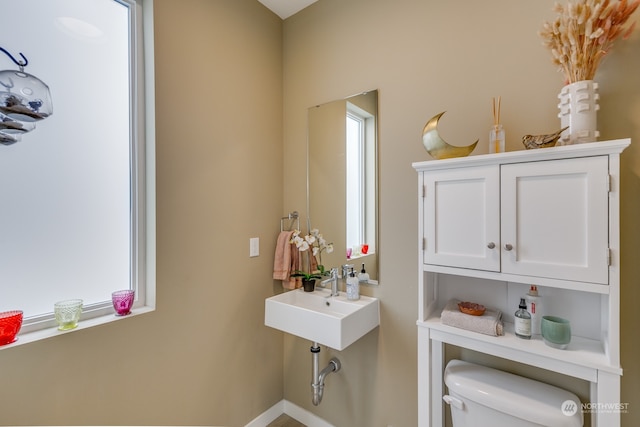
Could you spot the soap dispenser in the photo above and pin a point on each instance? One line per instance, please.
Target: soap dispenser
(353, 287)
(363, 276)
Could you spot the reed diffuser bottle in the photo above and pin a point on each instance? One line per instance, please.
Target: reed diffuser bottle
(496, 134)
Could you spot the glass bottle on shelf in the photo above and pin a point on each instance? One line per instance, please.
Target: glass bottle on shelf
(496, 139)
(522, 321)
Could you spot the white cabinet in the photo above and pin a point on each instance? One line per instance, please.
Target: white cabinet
(555, 219)
(462, 217)
(538, 218)
(490, 225)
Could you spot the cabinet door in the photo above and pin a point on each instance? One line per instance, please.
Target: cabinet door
(462, 217)
(555, 219)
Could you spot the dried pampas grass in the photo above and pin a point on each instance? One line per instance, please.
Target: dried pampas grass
(584, 32)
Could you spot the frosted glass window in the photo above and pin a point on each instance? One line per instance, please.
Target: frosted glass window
(72, 193)
(355, 180)
(360, 179)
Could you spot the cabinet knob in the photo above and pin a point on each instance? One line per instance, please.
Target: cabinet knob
(491, 245)
(508, 247)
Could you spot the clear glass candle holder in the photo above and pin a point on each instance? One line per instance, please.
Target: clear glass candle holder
(123, 301)
(67, 313)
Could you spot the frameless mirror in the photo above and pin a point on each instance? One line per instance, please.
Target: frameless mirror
(342, 180)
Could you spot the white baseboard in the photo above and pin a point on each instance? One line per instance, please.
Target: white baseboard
(293, 410)
(267, 416)
(304, 416)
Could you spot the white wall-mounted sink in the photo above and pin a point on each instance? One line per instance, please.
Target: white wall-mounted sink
(332, 321)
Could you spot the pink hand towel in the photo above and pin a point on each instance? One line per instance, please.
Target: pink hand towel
(282, 258)
(296, 265)
(286, 261)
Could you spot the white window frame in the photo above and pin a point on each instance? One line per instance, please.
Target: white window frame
(362, 195)
(142, 190)
(355, 191)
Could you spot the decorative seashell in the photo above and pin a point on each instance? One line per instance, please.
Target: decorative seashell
(542, 141)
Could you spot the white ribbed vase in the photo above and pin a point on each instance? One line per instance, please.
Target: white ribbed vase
(578, 107)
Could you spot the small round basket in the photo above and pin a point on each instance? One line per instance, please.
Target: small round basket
(10, 324)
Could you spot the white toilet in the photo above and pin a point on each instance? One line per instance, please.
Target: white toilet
(486, 397)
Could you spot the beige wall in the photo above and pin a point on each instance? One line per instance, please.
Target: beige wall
(204, 357)
(224, 175)
(426, 57)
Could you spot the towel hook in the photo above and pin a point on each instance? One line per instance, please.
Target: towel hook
(20, 64)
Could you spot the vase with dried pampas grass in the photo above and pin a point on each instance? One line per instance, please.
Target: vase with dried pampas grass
(579, 38)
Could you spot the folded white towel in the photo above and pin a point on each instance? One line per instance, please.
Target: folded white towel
(490, 323)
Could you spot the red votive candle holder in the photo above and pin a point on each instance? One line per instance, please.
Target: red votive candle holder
(10, 324)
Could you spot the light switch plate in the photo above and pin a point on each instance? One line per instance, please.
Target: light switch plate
(254, 246)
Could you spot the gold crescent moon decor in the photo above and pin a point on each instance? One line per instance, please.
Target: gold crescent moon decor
(437, 147)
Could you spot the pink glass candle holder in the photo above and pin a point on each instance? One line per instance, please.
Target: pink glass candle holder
(123, 301)
(349, 252)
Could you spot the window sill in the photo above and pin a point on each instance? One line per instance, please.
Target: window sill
(42, 334)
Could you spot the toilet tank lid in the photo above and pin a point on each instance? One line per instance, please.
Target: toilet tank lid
(514, 395)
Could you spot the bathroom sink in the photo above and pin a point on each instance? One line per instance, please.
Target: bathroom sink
(332, 321)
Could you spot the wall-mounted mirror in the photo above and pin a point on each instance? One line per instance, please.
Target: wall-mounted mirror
(342, 177)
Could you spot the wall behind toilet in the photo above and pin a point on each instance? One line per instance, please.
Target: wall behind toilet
(426, 57)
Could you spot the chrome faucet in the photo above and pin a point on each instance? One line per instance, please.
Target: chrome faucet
(333, 278)
(346, 269)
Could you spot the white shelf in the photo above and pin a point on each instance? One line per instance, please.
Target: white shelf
(582, 358)
(504, 277)
(560, 152)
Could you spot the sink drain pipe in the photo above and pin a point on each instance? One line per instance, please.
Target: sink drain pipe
(317, 385)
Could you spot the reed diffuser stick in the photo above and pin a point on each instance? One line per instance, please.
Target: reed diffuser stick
(496, 110)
